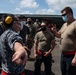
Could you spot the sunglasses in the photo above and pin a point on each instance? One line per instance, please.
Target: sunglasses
(49, 26)
(64, 14)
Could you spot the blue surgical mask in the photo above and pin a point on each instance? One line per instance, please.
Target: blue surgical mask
(65, 18)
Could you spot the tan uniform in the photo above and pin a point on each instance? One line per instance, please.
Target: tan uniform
(44, 40)
(68, 37)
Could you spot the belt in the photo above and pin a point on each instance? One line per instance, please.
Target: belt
(39, 52)
(4, 73)
(69, 53)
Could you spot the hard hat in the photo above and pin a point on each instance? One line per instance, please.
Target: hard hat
(8, 19)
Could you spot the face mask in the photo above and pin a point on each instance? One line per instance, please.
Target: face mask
(29, 22)
(43, 28)
(20, 26)
(65, 18)
(23, 22)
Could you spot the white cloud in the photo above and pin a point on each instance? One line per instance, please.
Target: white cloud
(59, 4)
(46, 11)
(41, 11)
(29, 4)
(1, 11)
(17, 9)
(26, 12)
(54, 6)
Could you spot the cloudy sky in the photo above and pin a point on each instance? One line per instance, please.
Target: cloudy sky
(52, 7)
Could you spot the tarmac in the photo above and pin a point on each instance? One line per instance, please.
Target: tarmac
(29, 68)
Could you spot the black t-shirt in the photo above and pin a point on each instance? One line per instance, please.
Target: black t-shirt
(24, 32)
(1, 30)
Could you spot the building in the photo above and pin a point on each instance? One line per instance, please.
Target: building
(52, 19)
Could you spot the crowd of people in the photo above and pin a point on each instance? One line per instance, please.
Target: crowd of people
(20, 35)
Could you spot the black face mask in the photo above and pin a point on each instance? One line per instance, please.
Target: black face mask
(29, 22)
(43, 28)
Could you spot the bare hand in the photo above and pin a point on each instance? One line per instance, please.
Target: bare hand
(19, 61)
(47, 54)
(27, 49)
(53, 28)
(35, 55)
(20, 57)
(73, 62)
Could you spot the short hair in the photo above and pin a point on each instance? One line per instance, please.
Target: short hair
(29, 19)
(22, 17)
(67, 9)
(44, 23)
